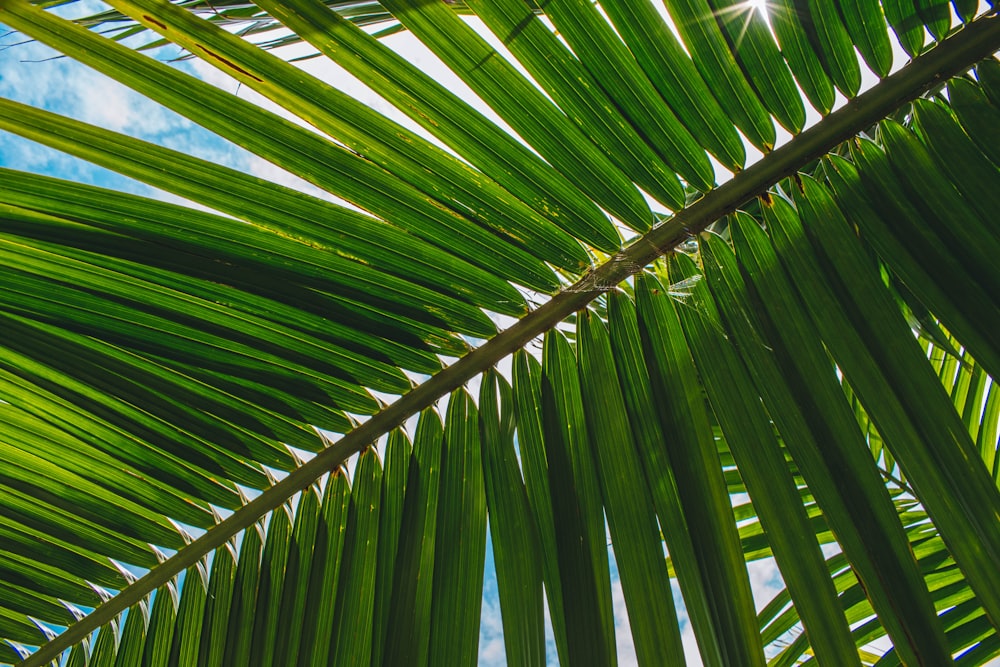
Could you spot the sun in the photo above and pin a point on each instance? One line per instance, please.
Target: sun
(744, 11)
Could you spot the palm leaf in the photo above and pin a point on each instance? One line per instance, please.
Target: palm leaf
(159, 364)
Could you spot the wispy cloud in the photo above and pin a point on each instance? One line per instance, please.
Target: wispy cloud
(623, 629)
(491, 646)
(36, 75)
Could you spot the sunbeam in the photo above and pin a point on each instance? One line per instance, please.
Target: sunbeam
(743, 11)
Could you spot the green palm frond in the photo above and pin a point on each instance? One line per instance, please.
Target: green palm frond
(182, 391)
(243, 18)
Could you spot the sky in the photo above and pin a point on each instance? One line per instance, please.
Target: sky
(29, 73)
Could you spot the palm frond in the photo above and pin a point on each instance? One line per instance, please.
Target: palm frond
(159, 364)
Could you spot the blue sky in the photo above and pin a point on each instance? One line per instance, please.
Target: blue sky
(31, 73)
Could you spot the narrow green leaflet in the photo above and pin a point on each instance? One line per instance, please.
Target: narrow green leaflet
(301, 152)
(444, 114)
(298, 574)
(977, 115)
(324, 574)
(930, 190)
(41, 606)
(616, 71)
(988, 75)
(936, 15)
(241, 616)
(555, 67)
(909, 28)
(663, 60)
(527, 398)
(751, 41)
(90, 218)
(351, 638)
(527, 110)
(761, 463)
(958, 160)
(833, 44)
(802, 59)
(398, 450)
(78, 541)
(966, 9)
(939, 278)
(125, 429)
(105, 646)
(959, 495)
(72, 492)
(410, 610)
(866, 26)
(190, 612)
(460, 551)
(273, 563)
(800, 388)
(638, 548)
(577, 510)
(36, 438)
(698, 472)
(147, 163)
(217, 607)
(160, 633)
(391, 146)
(517, 547)
(710, 52)
(633, 378)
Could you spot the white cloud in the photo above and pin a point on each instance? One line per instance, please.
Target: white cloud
(105, 103)
(491, 648)
(32, 74)
(623, 629)
(691, 653)
(765, 581)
